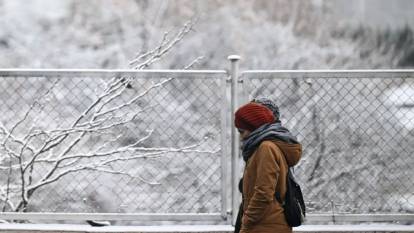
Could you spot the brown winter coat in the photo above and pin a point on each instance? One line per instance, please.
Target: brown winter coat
(264, 173)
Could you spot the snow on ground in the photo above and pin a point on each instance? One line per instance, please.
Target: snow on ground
(197, 228)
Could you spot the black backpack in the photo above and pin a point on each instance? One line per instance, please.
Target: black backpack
(294, 206)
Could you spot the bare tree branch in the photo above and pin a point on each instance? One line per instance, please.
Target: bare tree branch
(8, 184)
(14, 139)
(145, 60)
(113, 85)
(58, 149)
(95, 166)
(125, 174)
(150, 53)
(58, 139)
(195, 61)
(31, 107)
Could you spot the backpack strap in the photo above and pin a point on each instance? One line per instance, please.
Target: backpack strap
(277, 194)
(278, 198)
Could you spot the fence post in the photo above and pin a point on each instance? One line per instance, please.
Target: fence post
(234, 75)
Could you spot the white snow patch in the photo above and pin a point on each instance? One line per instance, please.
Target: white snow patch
(201, 228)
(401, 99)
(407, 202)
(87, 228)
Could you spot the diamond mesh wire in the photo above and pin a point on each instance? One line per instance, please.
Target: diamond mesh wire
(357, 134)
(134, 144)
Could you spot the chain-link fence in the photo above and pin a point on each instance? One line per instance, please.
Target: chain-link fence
(357, 132)
(120, 142)
(155, 145)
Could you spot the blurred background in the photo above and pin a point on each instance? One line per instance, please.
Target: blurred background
(276, 34)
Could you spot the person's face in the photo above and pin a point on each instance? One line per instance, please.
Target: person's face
(243, 133)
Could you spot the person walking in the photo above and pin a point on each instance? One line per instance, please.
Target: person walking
(269, 150)
(268, 103)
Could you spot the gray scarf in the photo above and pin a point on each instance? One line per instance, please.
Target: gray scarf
(274, 131)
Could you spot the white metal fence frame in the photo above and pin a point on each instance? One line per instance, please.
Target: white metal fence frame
(147, 74)
(244, 81)
(230, 169)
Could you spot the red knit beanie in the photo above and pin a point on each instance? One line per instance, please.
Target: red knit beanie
(251, 116)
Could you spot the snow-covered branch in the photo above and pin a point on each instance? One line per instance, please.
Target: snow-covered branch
(57, 150)
(146, 59)
(194, 62)
(102, 165)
